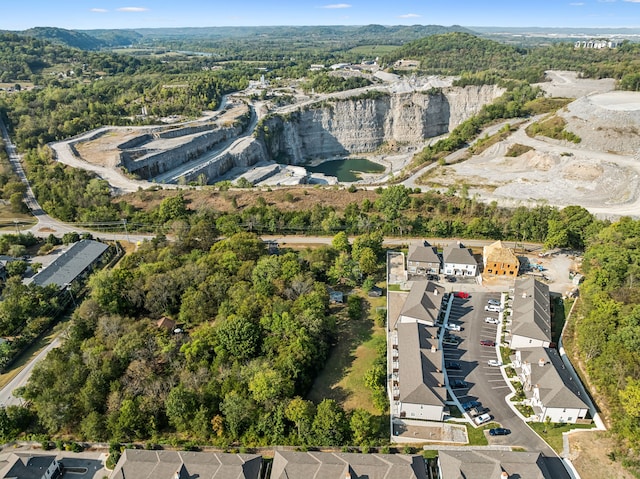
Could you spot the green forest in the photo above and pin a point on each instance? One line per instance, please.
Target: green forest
(605, 333)
(259, 330)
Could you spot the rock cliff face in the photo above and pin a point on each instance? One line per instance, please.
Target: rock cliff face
(359, 125)
(244, 153)
(148, 156)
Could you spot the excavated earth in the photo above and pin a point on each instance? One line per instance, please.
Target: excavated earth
(600, 173)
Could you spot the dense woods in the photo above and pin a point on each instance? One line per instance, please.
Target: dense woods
(255, 331)
(606, 332)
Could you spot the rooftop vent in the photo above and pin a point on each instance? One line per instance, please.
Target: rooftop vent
(433, 349)
(541, 362)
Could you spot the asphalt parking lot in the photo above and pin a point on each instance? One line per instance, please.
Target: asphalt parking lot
(486, 384)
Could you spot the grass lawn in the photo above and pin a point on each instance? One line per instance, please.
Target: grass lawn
(342, 378)
(27, 356)
(476, 435)
(553, 436)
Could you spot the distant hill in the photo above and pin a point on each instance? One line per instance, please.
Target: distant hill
(457, 52)
(70, 38)
(114, 38)
(381, 33)
(84, 39)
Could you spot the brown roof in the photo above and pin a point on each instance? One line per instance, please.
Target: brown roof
(141, 464)
(330, 465)
(166, 323)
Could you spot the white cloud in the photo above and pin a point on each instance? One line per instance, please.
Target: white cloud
(577, 4)
(132, 9)
(337, 5)
(99, 10)
(409, 15)
(632, 1)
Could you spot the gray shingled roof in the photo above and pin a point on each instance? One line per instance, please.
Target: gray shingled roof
(485, 464)
(135, 464)
(333, 465)
(423, 302)
(26, 466)
(421, 380)
(556, 384)
(423, 254)
(70, 264)
(531, 310)
(456, 253)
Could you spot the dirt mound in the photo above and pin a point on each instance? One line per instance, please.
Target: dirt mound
(606, 122)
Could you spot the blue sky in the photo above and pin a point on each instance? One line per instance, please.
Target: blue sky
(90, 14)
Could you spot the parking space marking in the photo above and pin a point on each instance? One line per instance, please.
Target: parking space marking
(501, 387)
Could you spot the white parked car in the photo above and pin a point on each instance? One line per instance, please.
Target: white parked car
(452, 327)
(491, 320)
(492, 309)
(493, 302)
(482, 418)
(494, 363)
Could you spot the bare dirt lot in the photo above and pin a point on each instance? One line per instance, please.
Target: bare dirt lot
(590, 454)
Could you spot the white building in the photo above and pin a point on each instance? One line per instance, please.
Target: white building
(551, 388)
(419, 391)
(459, 261)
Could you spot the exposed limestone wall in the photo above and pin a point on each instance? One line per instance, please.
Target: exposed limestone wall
(152, 159)
(244, 153)
(347, 126)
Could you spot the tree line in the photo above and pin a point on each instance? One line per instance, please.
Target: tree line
(605, 331)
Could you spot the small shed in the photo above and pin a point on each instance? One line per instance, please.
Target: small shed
(336, 296)
(166, 323)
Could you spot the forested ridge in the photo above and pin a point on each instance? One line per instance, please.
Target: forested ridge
(462, 53)
(605, 331)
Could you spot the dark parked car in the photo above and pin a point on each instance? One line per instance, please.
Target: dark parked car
(458, 384)
(375, 292)
(470, 405)
(488, 342)
(499, 431)
(450, 279)
(452, 365)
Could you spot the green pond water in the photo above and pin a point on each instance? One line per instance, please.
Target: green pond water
(347, 170)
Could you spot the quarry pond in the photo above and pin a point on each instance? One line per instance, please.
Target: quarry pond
(346, 170)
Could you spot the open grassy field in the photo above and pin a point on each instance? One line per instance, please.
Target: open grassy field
(373, 50)
(552, 433)
(354, 353)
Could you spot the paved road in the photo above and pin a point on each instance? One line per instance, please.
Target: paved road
(6, 393)
(454, 157)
